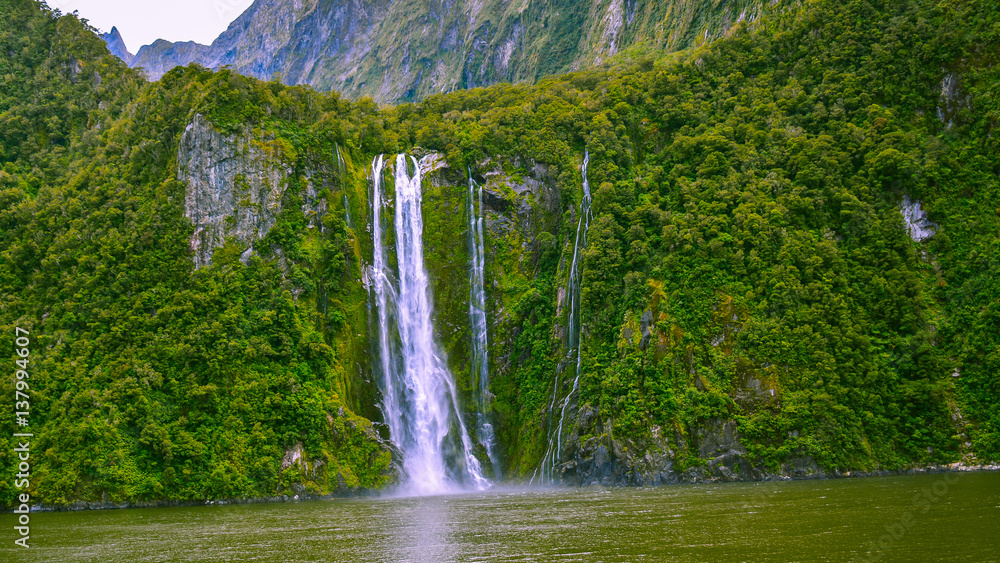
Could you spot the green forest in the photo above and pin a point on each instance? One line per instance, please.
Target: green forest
(746, 213)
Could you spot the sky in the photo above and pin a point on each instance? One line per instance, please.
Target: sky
(143, 21)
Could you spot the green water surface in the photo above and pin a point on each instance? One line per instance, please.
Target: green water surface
(930, 517)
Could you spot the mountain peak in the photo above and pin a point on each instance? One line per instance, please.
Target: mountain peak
(117, 45)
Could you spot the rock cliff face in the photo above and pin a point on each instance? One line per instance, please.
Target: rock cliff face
(234, 189)
(713, 452)
(918, 226)
(402, 50)
(594, 456)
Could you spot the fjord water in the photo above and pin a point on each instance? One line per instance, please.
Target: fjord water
(868, 519)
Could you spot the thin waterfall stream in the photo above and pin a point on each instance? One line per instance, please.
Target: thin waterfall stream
(419, 393)
(477, 319)
(546, 469)
(342, 169)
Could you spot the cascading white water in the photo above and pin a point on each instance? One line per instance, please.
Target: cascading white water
(477, 319)
(574, 328)
(419, 394)
(341, 168)
(383, 290)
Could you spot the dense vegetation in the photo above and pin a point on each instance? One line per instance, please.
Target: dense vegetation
(746, 199)
(149, 380)
(749, 199)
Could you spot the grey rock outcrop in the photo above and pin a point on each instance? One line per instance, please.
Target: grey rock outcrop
(726, 459)
(919, 227)
(593, 455)
(953, 100)
(520, 203)
(234, 187)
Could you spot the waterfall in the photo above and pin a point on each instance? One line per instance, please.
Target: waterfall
(383, 293)
(574, 328)
(419, 394)
(480, 366)
(341, 168)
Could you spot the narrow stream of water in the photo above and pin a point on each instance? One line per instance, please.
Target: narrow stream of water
(480, 364)
(545, 473)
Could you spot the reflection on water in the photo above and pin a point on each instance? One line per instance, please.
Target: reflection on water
(425, 529)
(906, 518)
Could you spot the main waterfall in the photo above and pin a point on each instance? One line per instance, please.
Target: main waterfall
(574, 329)
(419, 395)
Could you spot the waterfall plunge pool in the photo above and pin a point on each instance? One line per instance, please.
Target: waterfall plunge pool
(924, 517)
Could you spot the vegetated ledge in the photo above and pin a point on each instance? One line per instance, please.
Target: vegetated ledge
(372, 493)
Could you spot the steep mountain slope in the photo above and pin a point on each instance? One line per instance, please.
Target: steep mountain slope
(403, 50)
(89, 161)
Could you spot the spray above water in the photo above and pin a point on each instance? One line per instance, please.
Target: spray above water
(545, 473)
(420, 401)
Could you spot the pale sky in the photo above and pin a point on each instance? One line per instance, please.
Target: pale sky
(143, 21)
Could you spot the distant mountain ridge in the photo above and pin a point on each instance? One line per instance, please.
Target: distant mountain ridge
(404, 50)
